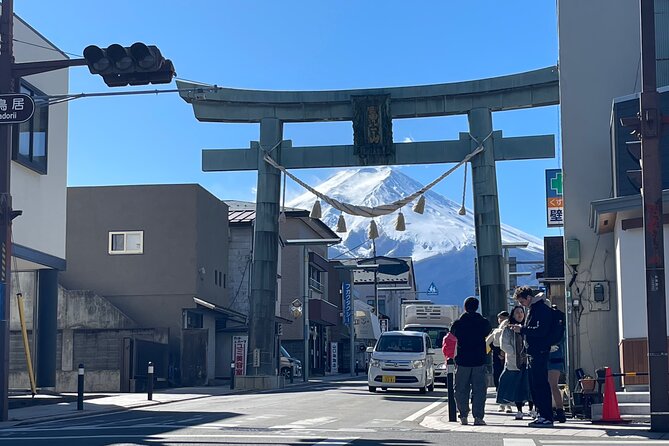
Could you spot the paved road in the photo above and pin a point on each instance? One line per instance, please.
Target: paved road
(331, 414)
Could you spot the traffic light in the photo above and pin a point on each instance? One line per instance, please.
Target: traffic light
(138, 64)
(634, 149)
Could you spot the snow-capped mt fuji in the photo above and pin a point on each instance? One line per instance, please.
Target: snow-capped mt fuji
(440, 241)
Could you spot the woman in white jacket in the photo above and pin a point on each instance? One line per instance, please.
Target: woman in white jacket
(514, 385)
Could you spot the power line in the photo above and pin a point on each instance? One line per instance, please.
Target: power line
(46, 48)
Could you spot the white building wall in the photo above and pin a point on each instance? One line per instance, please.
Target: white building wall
(598, 60)
(42, 198)
(632, 320)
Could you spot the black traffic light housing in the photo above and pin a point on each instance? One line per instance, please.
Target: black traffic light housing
(635, 176)
(138, 64)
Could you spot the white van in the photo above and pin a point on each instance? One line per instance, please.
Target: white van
(402, 359)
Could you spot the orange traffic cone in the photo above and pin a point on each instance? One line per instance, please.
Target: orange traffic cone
(610, 410)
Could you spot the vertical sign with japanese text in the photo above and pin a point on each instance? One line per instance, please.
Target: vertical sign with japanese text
(346, 302)
(554, 199)
(239, 345)
(334, 357)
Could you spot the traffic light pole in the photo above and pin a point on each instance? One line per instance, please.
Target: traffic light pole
(651, 131)
(9, 73)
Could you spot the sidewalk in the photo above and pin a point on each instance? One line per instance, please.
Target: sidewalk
(99, 403)
(504, 423)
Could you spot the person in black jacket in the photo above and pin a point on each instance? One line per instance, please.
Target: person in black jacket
(536, 333)
(471, 330)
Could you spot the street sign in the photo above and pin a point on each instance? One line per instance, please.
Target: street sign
(239, 344)
(554, 198)
(256, 357)
(16, 108)
(432, 290)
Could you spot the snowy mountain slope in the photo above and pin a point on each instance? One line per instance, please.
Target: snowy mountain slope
(439, 241)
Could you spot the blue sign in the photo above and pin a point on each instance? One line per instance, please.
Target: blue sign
(432, 290)
(347, 304)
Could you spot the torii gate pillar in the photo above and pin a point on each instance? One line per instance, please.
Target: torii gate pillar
(265, 251)
(486, 215)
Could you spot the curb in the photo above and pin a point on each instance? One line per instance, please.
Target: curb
(84, 413)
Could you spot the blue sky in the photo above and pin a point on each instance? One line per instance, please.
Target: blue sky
(291, 45)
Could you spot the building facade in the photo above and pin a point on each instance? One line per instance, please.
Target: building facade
(160, 255)
(38, 187)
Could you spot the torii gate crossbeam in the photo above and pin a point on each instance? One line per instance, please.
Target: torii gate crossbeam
(372, 111)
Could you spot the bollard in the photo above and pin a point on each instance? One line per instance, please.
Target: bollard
(232, 375)
(80, 388)
(290, 373)
(451, 395)
(356, 367)
(149, 381)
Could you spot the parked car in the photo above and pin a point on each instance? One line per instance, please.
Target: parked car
(402, 359)
(288, 363)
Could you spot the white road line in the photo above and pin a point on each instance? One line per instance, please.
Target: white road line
(519, 442)
(167, 436)
(301, 424)
(336, 442)
(640, 441)
(424, 410)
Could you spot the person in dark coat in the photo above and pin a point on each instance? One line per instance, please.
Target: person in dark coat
(471, 330)
(536, 331)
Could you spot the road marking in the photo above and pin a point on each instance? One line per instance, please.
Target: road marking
(424, 410)
(336, 442)
(167, 436)
(640, 441)
(518, 442)
(302, 424)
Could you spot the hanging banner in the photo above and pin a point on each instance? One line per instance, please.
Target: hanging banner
(554, 198)
(239, 345)
(346, 302)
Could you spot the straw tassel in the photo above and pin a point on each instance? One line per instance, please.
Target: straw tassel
(316, 210)
(400, 224)
(341, 224)
(373, 230)
(419, 207)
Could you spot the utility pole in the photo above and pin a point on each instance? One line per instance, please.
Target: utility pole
(119, 66)
(651, 194)
(6, 86)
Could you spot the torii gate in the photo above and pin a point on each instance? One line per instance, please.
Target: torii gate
(372, 112)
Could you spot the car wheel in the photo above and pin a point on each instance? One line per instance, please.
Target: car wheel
(372, 389)
(285, 372)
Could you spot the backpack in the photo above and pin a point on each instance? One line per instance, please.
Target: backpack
(449, 344)
(556, 333)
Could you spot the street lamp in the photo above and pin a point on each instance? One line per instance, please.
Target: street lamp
(304, 243)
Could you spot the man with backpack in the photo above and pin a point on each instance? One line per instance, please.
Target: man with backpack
(539, 333)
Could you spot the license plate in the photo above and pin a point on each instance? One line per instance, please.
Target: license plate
(388, 379)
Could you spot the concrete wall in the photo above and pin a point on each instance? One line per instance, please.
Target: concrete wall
(599, 54)
(212, 239)
(42, 198)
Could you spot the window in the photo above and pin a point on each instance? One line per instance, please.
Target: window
(29, 139)
(126, 242)
(315, 279)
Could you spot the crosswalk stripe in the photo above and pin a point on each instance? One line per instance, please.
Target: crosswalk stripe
(424, 410)
(519, 442)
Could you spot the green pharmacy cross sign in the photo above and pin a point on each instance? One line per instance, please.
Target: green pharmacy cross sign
(554, 198)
